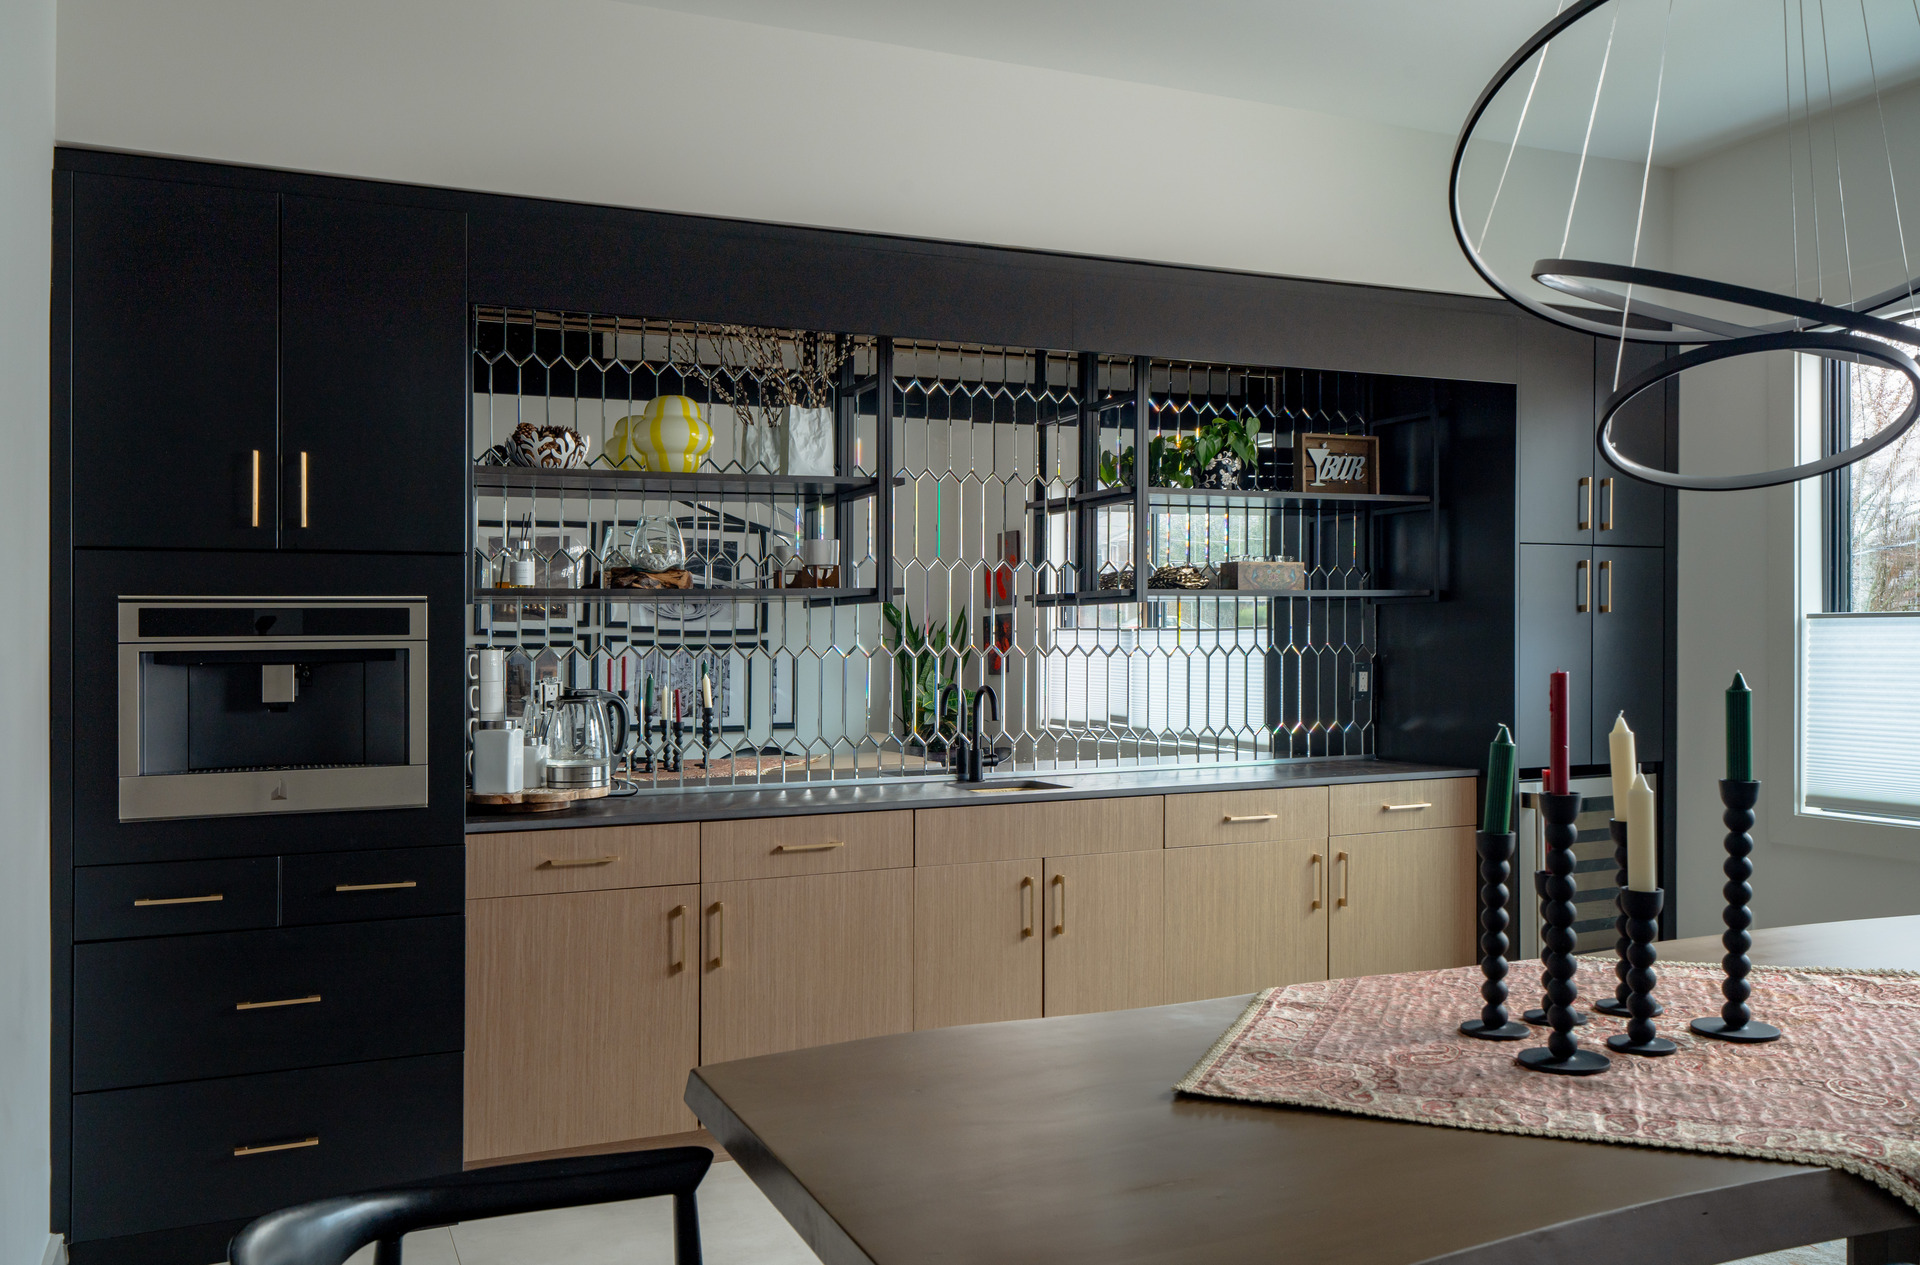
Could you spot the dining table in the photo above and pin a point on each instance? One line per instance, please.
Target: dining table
(1060, 1140)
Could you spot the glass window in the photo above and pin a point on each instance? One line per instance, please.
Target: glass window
(1881, 526)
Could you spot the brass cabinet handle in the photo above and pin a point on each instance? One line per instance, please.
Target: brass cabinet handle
(373, 887)
(1317, 864)
(303, 489)
(1606, 504)
(1346, 877)
(1606, 586)
(1586, 502)
(677, 960)
(256, 488)
(178, 900)
(1026, 894)
(308, 1000)
(1583, 576)
(1404, 808)
(718, 913)
(809, 847)
(562, 863)
(265, 1147)
(1059, 904)
(1253, 817)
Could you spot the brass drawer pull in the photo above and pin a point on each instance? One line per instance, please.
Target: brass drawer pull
(1583, 576)
(1317, 863)
(178, 900)
(1586, 503)
(373, 887)
(1346, 877)
(1606, 586)
(303, 489)
(308, 1000)
(276, 1146)
(1253, 817)
(809, 847)
(677, 959)
(1606, 504)
(562, 863)
(1026, 894)
(717, 912)
(256, 489)
(1059, 904)
(1404, 808)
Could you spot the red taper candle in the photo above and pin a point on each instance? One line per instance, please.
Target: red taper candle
(1557, 770)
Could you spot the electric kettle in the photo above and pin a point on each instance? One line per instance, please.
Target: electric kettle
(587, 730)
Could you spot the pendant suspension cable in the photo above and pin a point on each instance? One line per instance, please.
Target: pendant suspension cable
(1793, 178)
(1587, 142)
(1481, 241)
(1833, 127)
(1646, 177)
(1806, 115)
(1886, 144)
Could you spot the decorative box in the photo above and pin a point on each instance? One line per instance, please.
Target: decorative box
(1336, 463)
(1262, 574)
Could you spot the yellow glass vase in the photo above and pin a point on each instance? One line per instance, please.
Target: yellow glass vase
(669, 436)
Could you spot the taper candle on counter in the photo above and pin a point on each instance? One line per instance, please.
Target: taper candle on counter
(1643, 869)
(1496, 816)
(1739, 730)
(1621, 762)
(1559, 775)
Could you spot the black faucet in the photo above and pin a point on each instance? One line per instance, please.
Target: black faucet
(970, 763)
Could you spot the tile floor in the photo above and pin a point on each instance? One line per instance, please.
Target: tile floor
(737, 1227)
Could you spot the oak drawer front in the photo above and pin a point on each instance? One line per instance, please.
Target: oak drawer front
(1366, 807)
(174, 898)
(1297, 812)
(539, 862)
(827, 843)
(1014, 832)
(355, 886)
(147, 1011)
(151, 1159)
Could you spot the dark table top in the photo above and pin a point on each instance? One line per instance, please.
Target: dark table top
(1060, 1141)
(651, 806)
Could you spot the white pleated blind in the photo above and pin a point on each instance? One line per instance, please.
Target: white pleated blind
(1861, 748)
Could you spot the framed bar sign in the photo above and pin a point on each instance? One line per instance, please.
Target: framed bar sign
(1336, 463)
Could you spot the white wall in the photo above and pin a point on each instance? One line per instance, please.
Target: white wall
(26, 159)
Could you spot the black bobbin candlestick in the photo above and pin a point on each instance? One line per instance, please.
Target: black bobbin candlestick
(1562, 1053)
(1616, 1005)
(1538, 1015)
(1642, 912)
(1493, 1024)
(1736, 1021)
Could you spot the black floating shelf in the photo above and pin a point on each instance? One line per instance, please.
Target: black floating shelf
(571, 597)
(702, 482)
(1257, 496)
(1108, 597)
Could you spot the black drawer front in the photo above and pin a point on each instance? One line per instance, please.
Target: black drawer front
(391, 883)
(148, 1011)
(150, 1159)
(173, 898)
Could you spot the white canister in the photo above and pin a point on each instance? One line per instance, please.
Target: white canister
(493, 685)
(498, 765)
(533, 764)
(820, 553)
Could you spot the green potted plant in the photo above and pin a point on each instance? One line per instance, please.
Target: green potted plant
(926, 657)
(1217, 455)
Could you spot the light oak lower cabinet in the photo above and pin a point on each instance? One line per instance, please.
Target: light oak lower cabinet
(1401, 901)
(977, 943)
(1245, 916)
(793, 962)
(1105, 919)
(583, 1018)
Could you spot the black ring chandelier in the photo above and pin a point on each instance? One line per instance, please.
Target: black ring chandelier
(1849, 332)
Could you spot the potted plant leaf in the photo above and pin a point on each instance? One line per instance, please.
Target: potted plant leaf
(1225, 452)
(926, 657)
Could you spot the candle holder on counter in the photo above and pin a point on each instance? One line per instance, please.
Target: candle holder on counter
(1562, 1053)
(1538, 1015)
(1736, 1021)
(1616, 1005)
(1494, 1024)
(1642, 912)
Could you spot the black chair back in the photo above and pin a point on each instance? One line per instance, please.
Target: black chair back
(328, 1231)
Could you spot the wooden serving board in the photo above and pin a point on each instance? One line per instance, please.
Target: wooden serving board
(545, 800)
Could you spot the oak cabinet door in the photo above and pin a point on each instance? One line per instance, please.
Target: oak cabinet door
(792, 962)
(1245, 916)
(1105, 925)
(583, 1018)
(1401, 901)
(976, 943)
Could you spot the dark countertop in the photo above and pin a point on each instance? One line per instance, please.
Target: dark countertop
(650, 807)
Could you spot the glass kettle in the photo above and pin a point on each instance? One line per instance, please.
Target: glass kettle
(587, 730)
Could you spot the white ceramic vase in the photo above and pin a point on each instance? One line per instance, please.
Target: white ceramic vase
(809, 440)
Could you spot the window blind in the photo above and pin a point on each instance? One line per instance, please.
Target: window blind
(1860, 751)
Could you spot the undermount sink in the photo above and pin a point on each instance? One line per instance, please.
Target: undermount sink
(1023, 784)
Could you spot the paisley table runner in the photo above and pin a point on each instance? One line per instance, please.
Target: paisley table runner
(1840, 1088)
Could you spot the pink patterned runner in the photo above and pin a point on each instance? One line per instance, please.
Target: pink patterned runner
(1841, 1088)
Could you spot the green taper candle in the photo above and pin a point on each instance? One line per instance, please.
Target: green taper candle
(1739, 730)
(1497, 816)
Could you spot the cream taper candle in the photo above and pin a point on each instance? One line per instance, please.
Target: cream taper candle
(1643, 870)
(1621, 753)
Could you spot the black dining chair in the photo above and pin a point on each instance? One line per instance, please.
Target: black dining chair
(328, 1231)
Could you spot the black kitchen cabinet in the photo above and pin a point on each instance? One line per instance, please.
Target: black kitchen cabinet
(174, 328)
(1555, 435)
(1556, 631)
(373, 421)
(1627, 511)
(1629, 632)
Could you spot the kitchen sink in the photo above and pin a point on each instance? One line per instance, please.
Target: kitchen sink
(1023, 784)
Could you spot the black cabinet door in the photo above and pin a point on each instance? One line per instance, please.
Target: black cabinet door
(175, 292)
(374, 377)
(1555, 632)
(1627, 511)
(1629, 639)
(1556, 435)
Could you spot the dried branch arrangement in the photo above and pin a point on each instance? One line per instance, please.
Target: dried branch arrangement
(761, 371)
